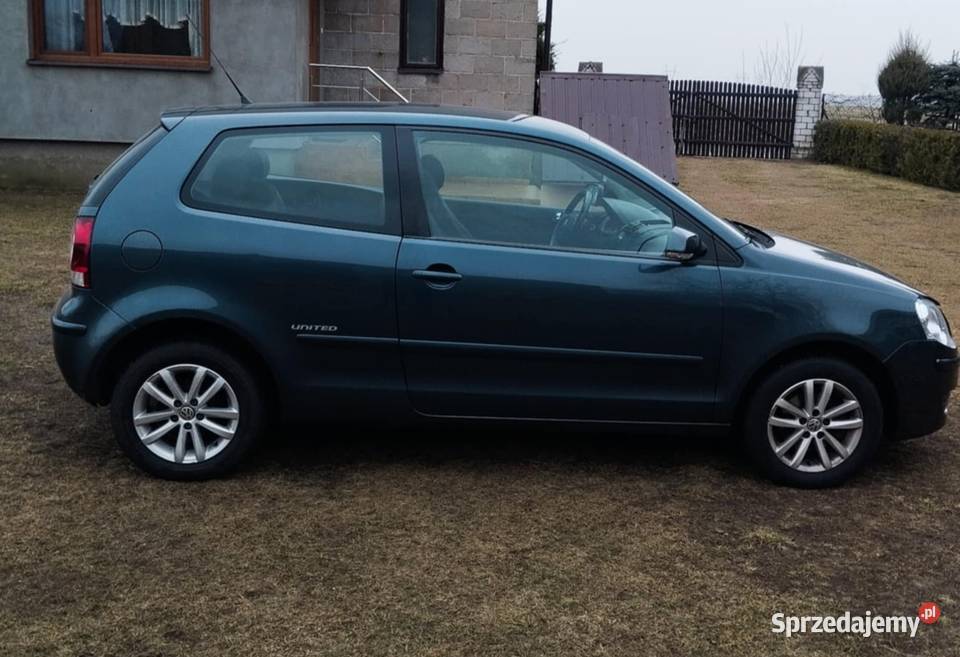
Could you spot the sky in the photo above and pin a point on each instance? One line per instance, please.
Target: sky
(719, 40)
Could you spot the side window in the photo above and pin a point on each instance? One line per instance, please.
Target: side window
(497, 189)
(324, 177)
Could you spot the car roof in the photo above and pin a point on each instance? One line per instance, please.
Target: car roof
(265, 115)
(320, 107)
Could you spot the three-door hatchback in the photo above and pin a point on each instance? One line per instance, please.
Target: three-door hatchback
(242, 265)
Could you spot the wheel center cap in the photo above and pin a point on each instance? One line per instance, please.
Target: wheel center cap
(813, 424)
(186, 412)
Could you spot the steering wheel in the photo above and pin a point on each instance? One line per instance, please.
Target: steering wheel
(636, 237)
(649, 234)
(571, 219)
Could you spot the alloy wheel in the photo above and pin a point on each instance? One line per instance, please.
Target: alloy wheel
(815, 425)
(186, 413)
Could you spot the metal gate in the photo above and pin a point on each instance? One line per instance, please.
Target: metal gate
(629, 112)
(732, 119)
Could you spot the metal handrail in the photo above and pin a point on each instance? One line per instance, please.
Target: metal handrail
(363, 88)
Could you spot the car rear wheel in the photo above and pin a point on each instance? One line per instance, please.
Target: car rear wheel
(187, 411)
(813, 423)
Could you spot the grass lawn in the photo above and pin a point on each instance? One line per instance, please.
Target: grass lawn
(472, 543)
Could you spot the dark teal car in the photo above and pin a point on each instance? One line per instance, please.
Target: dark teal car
(238, 266)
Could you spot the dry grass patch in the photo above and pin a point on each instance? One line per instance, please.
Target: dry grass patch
(448, 542)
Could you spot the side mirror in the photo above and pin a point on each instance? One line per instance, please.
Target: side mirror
(683, 245)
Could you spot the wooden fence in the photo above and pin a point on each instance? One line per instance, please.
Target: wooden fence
(732, 119)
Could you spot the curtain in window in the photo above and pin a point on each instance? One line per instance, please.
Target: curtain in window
(64, 25)
(422, 32)
(158, 27)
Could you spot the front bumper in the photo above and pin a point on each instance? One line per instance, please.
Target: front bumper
(923, 373)
(82, 326)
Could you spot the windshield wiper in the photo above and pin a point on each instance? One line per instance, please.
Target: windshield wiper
(753, 233)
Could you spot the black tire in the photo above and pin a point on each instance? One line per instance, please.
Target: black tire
(754, 425)
(236, 373)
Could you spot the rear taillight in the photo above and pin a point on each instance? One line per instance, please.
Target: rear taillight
(80, 252)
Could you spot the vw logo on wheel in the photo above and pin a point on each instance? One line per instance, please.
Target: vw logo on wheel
(186, 412)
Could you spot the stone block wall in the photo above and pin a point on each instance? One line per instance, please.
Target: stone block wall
(489, 52)
(809, 106)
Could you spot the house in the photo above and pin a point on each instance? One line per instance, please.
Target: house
(83, 78)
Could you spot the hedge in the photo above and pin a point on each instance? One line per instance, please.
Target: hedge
(923, 155)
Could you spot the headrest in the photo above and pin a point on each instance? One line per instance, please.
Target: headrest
(433, 170)
(242, 168)
(254, 163)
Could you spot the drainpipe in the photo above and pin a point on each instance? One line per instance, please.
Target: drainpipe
(547, 28)
(545, 55)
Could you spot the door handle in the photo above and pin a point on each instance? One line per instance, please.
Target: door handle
(438, 275)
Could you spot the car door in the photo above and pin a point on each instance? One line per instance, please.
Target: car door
(508, 309)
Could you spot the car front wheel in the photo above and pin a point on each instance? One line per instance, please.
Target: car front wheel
(813, 423)
(186, 411)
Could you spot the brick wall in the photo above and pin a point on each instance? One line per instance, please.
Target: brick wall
(489, 51)
(809, 106)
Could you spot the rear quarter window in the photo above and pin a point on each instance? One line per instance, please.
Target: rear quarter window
(332, 177)
(103, 184)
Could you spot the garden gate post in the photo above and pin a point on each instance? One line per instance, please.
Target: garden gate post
(809, 106)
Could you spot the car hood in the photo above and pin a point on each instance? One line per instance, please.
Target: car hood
(817, 262)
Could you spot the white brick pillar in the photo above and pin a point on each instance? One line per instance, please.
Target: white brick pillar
(809, 105)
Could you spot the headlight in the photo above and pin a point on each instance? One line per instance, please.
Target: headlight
(934, 323)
